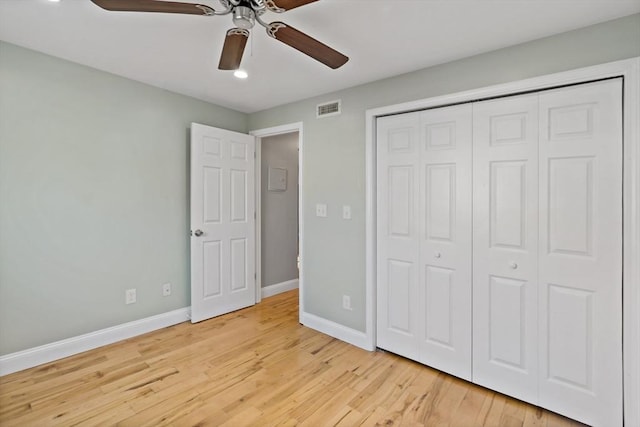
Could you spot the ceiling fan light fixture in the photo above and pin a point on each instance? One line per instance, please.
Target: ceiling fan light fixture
(240, 74)
(244, 17)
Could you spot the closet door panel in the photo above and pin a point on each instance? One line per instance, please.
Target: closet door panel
(505, 209)
(445, 239)
(398, 228)
(580, 252)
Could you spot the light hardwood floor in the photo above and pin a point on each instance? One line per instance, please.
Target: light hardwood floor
(257, 366)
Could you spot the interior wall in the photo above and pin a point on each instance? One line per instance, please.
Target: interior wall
(93, 197)
(335, 249)
(279, 210)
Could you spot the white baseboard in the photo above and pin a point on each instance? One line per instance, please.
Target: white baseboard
(29, 358)
(336, 330)
(278, 288)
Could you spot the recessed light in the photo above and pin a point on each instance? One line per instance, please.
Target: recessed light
(54, 1)
(240, 74)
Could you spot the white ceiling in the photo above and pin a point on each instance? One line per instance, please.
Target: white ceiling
(383, 38)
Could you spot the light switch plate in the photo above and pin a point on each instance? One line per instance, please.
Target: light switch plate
(346, 212)
(321, 210)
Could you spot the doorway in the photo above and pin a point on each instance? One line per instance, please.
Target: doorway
(279, 258)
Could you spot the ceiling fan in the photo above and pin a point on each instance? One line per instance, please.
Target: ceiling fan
(245, 13)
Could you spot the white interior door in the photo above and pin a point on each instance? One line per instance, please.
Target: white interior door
(222, 221)
(505, 240)
(444, 293)
(424, 237)
(398, 249)
(580, 252)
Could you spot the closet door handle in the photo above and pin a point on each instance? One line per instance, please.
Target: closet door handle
(437, 255)
(513, 265)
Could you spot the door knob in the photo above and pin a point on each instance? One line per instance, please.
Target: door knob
(198, 233)
(513, 265)
(437, 255)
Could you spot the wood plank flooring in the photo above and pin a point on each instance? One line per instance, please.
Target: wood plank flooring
(253, 367)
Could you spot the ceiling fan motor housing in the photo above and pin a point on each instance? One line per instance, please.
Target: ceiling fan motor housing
(244, 17)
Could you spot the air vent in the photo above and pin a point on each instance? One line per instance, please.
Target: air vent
(327, 109)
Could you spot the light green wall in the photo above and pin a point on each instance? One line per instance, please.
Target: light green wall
(334, 147)
(93, 197)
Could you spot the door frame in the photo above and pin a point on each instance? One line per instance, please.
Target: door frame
(629, 69)
(259, 134)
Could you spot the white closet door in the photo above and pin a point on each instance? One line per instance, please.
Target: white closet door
(581, 252)
(445, 240)
(397, 233)
(505, 237)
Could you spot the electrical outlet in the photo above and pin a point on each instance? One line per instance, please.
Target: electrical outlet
(346, 302)
(130, 296)
(166, 289)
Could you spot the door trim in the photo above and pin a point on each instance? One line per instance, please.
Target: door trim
(629, 69)
(259, 134)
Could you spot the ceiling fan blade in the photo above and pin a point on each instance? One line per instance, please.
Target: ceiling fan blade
(154, 6)
(284, 5)
(306, 44)
(233, 49)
